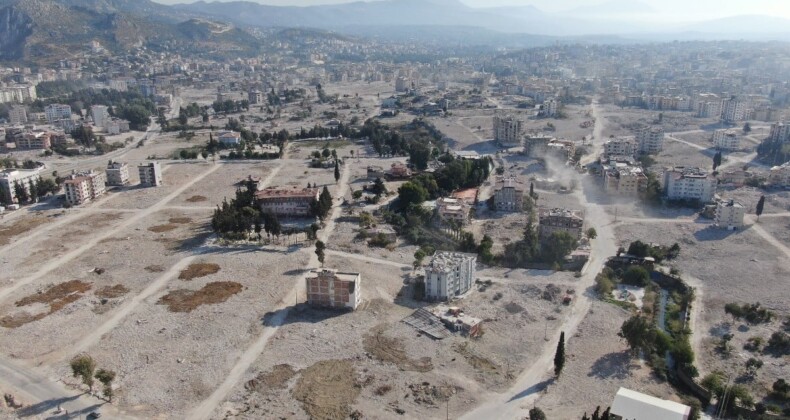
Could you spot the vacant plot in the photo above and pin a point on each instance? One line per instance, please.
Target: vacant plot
(198, 270)
(391, 350)
(19, 227)
(327, 389)
(57, 297)
(211, 294)
(478, 362)
(112, 292)
(275, 379)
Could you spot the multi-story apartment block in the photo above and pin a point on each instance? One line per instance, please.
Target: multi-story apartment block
(17, 115)
(84, 187)
(780, 132)
(33, 140)
(150, 174)
(729, 215)
(624, 179)
(402, 84)
(10, 178)
(779, 176)
(734, 110)
(101, 117)
(726, 140)
(255, 97)
(508, 196)
(560, 220)
(329, 288)
(287, 202)
(551, 107)
(650, 140)
(449, 274)
(508, 130)
(57, 112)
(117, 174)
(620, 146)
(452, 210)
(709, 108)
(681, 183)
(17, 93)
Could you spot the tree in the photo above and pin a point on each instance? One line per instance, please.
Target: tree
(319, 251)
(412, 193)
(753, 365)
(106, 377)
(760, 206)
(536, 414)
(532, 190)
(638, 332)
(591, 233)
(717, 160)
(337, 172)
(378, 188)
(747, 128)
(559, 355)
(83, 366)
(21, 192)
(557, 247)
(637, 276)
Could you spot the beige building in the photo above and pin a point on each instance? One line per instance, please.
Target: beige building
(620, 146)
(624, 179)
(560, 220)
(84, 187)
(508, 130)
(729, 215)
(508, 196)
(329, 288)
(17, 115)
(650, 140)
(287, 202)
(150, 174)
(453, 210)
(117, 174)
(734, 110)
(449, 274)
(726, 140)
(779, 176)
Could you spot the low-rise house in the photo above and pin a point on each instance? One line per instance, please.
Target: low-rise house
(729, 215)
(456, 320)
(560, 220)
(399, 171)
(449, 274)
(630, 404)
(117, 174)
(329, 288)
(451, 210)
(467, 195)
(84, 187)
(150, 174)
(229, 138)
(733, 177)
(287, 202)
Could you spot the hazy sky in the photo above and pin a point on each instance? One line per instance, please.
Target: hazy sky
(670, 9)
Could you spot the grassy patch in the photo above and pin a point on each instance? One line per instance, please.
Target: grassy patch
(18, 228)
(391, 350)
(112, 292)
(180, 220)
(196, 199)
(211, 294)
(163, 228)
(57, 297)
(198, 270)
(327, 389)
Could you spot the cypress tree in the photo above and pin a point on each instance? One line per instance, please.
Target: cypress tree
(760, 206)
(559, 356)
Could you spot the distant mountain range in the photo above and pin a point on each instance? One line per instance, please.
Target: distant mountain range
(48, 29)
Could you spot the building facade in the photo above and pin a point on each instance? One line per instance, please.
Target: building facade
(729, 215)
(449, 274)
(508, 130)
(452, 210)
(780, 132)
(287, 202)
(650, 140)
(17, 115)
(620, 146)
(101, 116)
(150, 174)
(328, 288)
(10, 178)
(229, 138)
(84, 187)
(624, 179)
(726, 140)
(734, 110)
(560, 220)
(56, 112)
(508, 196)
(117, 174)
(681, 183)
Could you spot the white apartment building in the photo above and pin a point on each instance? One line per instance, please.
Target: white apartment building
(508, 197)
(729, 215)
(681, 183)
(84, 187)
(101, 116)
(650, 140)
(229, 138)
(17, 115)
(620, 146)
(17, 93)
(726, 140)
(551, 107)
(449, 274)
(779, 176)
(734, 110)
(9, 178)
(57, 112)
(150, 174)
(508, 130)
(117, 174)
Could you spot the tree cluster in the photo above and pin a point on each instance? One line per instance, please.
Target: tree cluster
(659, 253)
(320, 208)
(84, 367)
(530, 249)
(230, 106)
(753, 313)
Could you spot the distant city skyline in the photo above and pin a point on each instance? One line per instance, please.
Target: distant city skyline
(665, 10)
